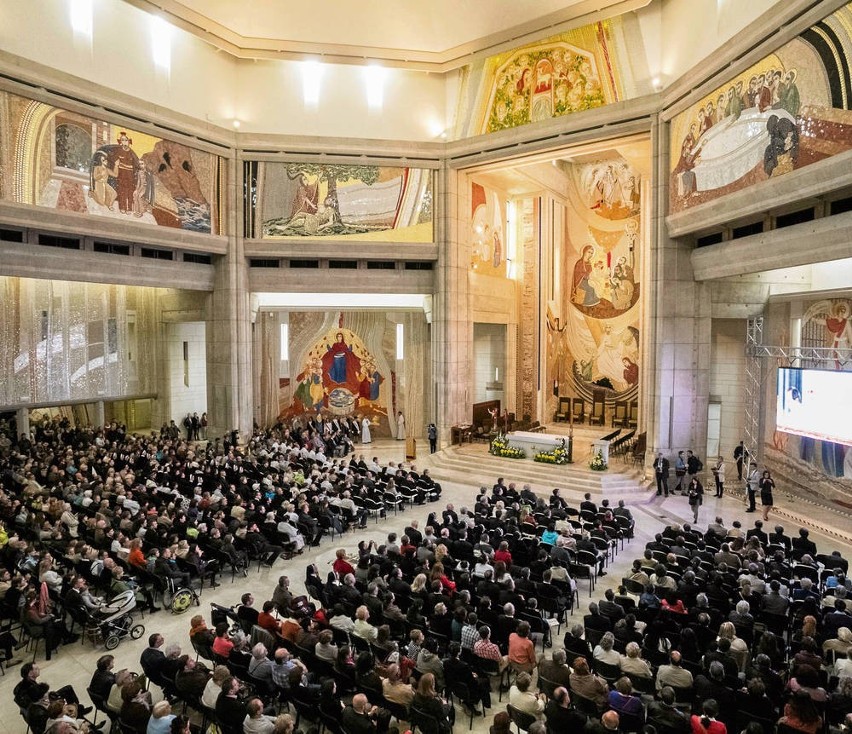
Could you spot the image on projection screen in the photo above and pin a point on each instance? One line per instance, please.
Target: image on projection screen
(813, 403)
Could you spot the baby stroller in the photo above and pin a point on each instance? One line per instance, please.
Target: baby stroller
(114, 620)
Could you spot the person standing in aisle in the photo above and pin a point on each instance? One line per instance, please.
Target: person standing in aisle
(693, 465)
(767, 484)
(752, 482)
(432, 433)
(680, 472)
(400, 426)
(719, 476)
(739, 453)
(696, 497)
(661, 472)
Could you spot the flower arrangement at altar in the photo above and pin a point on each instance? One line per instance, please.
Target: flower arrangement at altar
(557, 455)
(500, 447)
(597, 463)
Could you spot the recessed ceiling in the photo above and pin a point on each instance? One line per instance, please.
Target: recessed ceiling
(412, 32)
(548, 172)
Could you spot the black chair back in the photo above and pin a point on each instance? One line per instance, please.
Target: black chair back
(547, 686)
(585, 705)
(427, 723)
(521, 719)
(610, 673)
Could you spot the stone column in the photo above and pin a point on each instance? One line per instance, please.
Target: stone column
(451, 325)
(22, 418)
(99, 414)
(229, 375)
(677, 330)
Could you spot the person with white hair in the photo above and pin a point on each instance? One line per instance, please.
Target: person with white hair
(362, 627)
(286, 527)
(260, 666)
(161, 718)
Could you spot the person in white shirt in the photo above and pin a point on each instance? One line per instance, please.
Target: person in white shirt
(482, 567)
(525, 700)
(214, 686)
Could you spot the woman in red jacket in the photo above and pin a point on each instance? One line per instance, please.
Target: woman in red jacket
(503, 554)
(341, 566)
(707, 723)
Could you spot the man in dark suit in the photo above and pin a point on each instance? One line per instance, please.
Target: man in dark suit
(357, 718)
(661, 472)
(230, 710)
(506, 624)
(414, 534)
(462, 549)
(457, 670)
(664, 713)
(833, 621)
(588, 505)
(594, 620)
(712, 685)
(560, 717)
(758, 532)
(608, 724)
(803, 544)
(152, 657)
(450, 516)
(575, 645)
(609, 608)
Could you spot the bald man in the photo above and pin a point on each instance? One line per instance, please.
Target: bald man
(561, 716)
(608, 724)
(358, 717)
(673, 674)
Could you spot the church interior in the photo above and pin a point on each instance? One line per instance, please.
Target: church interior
(570, 239)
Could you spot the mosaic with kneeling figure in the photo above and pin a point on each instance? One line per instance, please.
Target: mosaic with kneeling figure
(343, 201)
(597, 344)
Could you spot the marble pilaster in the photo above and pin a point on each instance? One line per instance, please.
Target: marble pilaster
(229, 330)
(677, 331)
(451, 323)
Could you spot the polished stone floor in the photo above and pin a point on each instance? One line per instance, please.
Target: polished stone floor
(74, 663)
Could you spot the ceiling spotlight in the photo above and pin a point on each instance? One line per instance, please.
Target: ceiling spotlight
(236, 124)
(657, 83)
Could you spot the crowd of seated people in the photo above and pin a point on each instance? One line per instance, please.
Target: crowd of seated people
(725, 630)
(87, 514)
(404, 624)
(711, 630)
(755, 639)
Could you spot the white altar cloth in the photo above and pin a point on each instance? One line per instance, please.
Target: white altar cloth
(532, 442)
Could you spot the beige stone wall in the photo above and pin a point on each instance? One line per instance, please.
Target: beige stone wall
(727, 379)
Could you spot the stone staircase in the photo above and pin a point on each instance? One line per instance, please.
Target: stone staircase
(471, 464)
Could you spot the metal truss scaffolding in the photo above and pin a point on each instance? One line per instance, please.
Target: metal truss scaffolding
(753, 382)
(757, 353)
